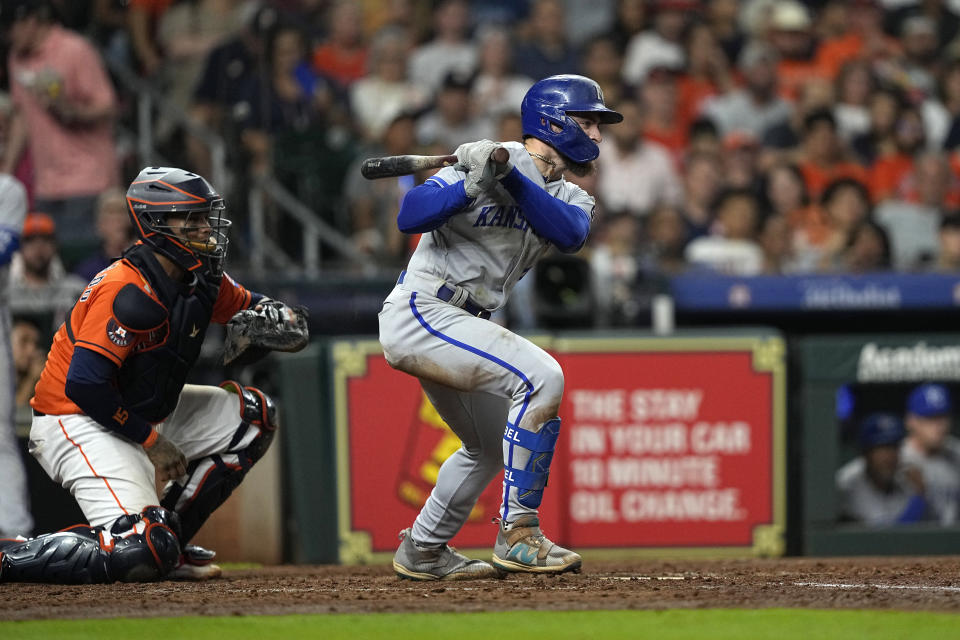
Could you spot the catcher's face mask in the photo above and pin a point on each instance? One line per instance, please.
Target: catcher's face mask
(203, 232)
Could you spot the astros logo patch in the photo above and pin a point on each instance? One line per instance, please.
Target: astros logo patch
(117, 334)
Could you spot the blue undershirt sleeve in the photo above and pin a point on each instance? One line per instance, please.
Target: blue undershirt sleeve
(90, 384)
(563, 224)
(427, 206)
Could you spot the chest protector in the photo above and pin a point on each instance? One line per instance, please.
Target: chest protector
(152, 377)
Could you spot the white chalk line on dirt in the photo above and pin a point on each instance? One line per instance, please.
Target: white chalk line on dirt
(904, 587)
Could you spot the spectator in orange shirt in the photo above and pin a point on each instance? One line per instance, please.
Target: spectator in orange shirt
(790, 33)
(889, 171)
(822, 157)
(659, 106)
(343, 56)
(865, 39)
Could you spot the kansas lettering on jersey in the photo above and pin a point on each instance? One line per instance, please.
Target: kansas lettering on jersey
(94, 327)
(487, 248)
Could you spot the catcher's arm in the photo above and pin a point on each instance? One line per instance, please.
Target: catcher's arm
(270, 326)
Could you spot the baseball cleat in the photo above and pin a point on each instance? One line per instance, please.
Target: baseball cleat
(412, 562)
(196, 563)
(522, 547)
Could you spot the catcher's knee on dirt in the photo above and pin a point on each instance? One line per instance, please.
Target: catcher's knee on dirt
(138, 547)
(530, 478)
(211, 480)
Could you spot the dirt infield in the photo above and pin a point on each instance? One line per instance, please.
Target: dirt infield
(926, 583)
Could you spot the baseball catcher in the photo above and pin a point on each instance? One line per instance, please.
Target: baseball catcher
(485, 224)
(112, 411)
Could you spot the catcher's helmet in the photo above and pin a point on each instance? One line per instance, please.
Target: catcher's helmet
(161, 193)
(550, 100)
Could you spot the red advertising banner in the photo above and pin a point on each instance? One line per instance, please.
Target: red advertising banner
(666, 443)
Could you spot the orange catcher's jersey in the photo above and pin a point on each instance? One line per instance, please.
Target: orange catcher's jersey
(93, 324)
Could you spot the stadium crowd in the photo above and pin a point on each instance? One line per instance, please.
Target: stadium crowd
(761, 137)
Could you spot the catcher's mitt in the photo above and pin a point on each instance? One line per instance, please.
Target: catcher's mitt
(275, 327)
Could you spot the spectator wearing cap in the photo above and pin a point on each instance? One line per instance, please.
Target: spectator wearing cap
(875, 488)
(545, 49)
(634, 174)
(930, 448)
(39, 284)
(756, 107)
(661, 46)
(450, 50)
(451, 122)
(948, 259)
(791, 34)
(64, 111)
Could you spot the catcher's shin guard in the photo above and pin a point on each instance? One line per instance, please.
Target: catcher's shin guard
(138, 548)
(530, 480)
(212, 479)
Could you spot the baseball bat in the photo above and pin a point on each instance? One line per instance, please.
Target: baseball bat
(392, 166)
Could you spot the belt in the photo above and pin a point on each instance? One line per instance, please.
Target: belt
(38, 414)
(447, 293)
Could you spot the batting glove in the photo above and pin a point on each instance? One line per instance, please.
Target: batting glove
(474, 159)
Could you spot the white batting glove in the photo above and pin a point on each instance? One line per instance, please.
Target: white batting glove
(474, 159)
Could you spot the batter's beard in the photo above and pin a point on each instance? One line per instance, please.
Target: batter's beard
(581, 169)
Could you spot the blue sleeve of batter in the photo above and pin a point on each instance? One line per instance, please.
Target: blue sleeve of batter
(90, 384)
(565, 225)
(255, 299)
(427, 206)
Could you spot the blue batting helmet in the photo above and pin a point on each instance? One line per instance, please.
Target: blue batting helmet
(549, 101)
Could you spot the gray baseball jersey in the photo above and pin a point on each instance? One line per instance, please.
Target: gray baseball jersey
(485, 381)
(15, 518)
(862, 501)
(941, 477)
(489, 247)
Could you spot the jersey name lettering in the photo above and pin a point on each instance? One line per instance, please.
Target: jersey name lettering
(500, 216)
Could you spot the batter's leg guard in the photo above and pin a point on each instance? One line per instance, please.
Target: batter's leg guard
(211, 480)
(138, 548)
(530, 480)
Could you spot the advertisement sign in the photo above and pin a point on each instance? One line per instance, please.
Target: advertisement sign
(666, 443)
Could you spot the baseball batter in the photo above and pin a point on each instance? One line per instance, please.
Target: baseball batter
(484, 225)
(111, 407)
